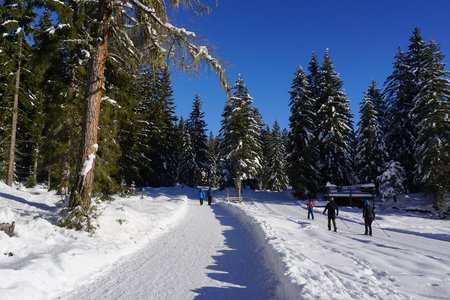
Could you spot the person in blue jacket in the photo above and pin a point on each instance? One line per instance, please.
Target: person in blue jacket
(201, 196)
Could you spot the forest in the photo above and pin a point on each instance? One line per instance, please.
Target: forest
(58, 62)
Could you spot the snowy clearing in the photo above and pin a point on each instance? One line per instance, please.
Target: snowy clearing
(167, 246)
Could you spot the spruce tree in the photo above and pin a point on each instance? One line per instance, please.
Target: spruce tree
(240, 147)
(431, 113)
(197, 131)
(371, 152)
(402, 87)
(334, 129)
(277, 180)
(187, 163)
(213, 176)
(302, 156)
(266, 144)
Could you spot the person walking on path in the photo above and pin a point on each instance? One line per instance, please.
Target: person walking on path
(201, 196)
(369, 216)
(209, 194)
(333, 211)
(310, 207)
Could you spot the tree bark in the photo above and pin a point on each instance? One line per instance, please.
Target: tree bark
(81, 192)
(12, 145)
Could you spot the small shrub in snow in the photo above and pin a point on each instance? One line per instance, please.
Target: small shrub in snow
(78, 218)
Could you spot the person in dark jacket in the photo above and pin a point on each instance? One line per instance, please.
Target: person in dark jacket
(201, 196)
(209, 195)
(310, 207)
(333, 211)
(369, 216)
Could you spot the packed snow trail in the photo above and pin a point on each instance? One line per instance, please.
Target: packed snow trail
(209, 255)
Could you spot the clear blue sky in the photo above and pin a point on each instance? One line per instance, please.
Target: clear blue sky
(265, 41)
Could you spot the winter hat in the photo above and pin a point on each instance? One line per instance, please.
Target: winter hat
(331, 199)
(366, 202)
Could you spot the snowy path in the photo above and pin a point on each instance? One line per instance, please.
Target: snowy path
(209, 255)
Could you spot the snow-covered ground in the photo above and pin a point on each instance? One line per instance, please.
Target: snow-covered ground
(409, 260)
(167, 246)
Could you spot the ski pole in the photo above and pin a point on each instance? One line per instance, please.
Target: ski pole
(344, 222)
(382, 228)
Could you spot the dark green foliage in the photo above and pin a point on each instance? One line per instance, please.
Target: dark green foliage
(197, 131)
(213, 176)
(277, 179)
(371, 153)
(334, 128)
(240, 146)
(302, 156)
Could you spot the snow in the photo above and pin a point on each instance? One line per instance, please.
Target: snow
(167, 246)
(87, 165)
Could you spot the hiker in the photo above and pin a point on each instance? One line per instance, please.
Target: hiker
(333, 211)
(201, 196)
(310, 207)
(369, 216)
(209, 194)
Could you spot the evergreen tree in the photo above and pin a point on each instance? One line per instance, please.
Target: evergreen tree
(266, 143)
(431, 116)
(302, 156)
(143, 32)
(278, 179)
(379, 105)
(371, 154)
(16, 19)
(197, 131)
(334, 129)
(169, 133)
(391, 181)
(402, 87)
(213, 176)
(240, 146)
(187, 163)
(314, 79)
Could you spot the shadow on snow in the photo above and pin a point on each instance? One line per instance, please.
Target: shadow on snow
(240, 265)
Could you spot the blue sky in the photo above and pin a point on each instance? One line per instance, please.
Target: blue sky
(265, 41)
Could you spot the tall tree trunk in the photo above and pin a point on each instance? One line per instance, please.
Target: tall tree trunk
(12, 145)
(35, 165)
(81, 192)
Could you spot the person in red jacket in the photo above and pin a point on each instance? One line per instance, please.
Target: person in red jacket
(310, 207)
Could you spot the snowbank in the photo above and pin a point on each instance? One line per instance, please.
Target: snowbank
(314, 263)
(48, 261)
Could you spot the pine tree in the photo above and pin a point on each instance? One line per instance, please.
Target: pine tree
(302, 152)
(168, 149)
(314, 81)
(334, 129)
(150, 37)
(266, 144)
(16, 19)
(371, 152)
(213, 176)
(187, 163)
(240, 147)
(431, 113)
(197, 131)
(278, 179)
(402, 87)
